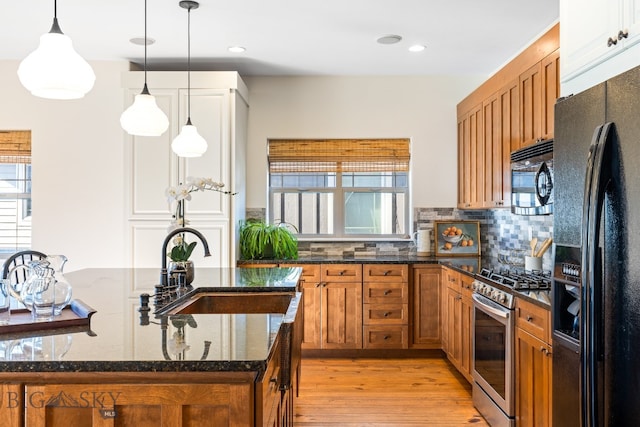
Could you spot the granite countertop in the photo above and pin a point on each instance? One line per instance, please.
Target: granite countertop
(118, 341)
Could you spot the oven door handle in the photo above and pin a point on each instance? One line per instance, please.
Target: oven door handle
(496, 311)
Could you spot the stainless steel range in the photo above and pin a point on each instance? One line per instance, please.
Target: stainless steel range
(493, 340)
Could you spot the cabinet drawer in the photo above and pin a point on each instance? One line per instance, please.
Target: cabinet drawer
(310, 272)
(466, 285)
(341, 273)
(451, 279)
(378, 292)
(385, 273)
(386, 314)
(386, 337)
(533, 319)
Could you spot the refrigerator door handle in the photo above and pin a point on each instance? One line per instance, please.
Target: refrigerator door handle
(591, 287)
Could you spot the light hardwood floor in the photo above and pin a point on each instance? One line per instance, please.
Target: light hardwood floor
(383, 393)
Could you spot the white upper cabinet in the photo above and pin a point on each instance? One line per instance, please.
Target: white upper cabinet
(219, 110)
(598, 40)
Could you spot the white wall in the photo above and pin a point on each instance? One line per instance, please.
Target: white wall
(78, 145)
(420, 107)
(77, 149)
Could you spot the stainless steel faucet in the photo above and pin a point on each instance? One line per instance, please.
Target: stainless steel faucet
(164, 278)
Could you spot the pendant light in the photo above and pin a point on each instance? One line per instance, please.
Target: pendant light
(55, 70)
(144, 117)
(189, 143)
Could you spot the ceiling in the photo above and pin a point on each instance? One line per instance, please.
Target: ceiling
(289, 37)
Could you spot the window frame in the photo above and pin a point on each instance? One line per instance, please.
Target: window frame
(339, 212)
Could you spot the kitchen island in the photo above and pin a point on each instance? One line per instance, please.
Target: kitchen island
(135, 368)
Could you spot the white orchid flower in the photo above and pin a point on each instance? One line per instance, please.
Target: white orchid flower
(171, 193)
(199, 183)
(183, 193)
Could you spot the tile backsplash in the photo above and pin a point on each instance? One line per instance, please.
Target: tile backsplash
(502, 234)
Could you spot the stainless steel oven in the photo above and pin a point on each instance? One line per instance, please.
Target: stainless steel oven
(493, 354)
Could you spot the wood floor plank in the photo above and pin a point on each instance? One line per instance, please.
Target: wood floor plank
(383, 393)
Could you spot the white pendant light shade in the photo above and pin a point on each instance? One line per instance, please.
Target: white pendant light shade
(189, 143)
(144, 117)
(55, 70)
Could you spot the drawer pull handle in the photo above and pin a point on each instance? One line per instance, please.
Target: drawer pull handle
(388, 272)
(543, 350)
(386, 337)
(387, 314)
(342, 273)
(611, 42)
(387, 292)
(529, 318)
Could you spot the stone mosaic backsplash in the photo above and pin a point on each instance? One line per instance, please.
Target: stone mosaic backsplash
(503, 235)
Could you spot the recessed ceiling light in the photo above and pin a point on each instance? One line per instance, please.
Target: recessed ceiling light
(236, 49)
(389, 39)
(417, 48)
(141, 41)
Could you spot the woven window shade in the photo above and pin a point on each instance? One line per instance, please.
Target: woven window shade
(338, 155)
(15, 146)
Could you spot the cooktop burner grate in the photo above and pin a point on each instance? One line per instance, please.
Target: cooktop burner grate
(519, 278)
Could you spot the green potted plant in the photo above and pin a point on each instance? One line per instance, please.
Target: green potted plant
(260, 240)
(179, 256)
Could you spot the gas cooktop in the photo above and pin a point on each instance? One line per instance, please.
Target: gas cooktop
(518, 279)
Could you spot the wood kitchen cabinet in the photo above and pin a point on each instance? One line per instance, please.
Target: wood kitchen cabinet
(427, 330)
(539, 89)
(533, 365)
(497, 149)
(458, 323)
(332, 297)
(144, 400)
(513, 109)
(385, 306)
(470, 159)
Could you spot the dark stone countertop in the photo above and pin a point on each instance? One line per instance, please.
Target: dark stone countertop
(118, 342)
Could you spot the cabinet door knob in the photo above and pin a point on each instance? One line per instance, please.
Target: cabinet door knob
(543, 350)
(623, 34)
(612, 42)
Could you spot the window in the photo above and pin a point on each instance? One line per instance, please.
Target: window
(15, 191)
(340, 187)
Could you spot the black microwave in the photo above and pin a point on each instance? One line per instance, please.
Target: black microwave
(532, 179)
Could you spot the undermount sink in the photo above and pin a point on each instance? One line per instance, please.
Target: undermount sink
(227, 303)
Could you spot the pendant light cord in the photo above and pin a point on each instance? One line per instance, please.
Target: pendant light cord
(55, 9)
(189, 64)
(145, 43)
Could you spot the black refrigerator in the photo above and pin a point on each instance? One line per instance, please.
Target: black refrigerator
(596, 289)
